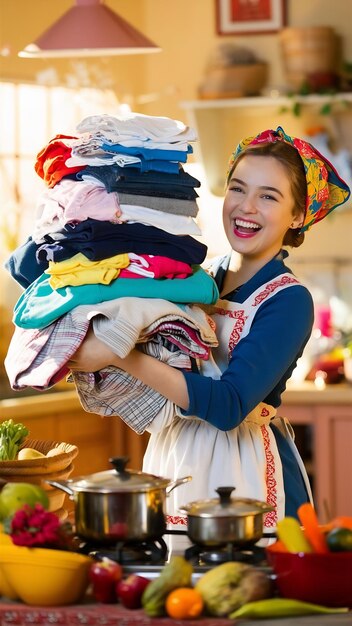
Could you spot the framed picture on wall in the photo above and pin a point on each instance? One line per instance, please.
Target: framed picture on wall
(246, 17)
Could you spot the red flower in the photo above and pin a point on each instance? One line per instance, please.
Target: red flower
(38, 527)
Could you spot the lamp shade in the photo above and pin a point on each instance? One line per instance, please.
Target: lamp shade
(89, 29)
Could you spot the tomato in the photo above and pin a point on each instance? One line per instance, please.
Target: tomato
(339, 540)
(184, 603)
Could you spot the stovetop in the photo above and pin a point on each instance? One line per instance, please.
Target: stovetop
(149, 557)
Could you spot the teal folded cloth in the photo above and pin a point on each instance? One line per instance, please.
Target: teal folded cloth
(40, 304)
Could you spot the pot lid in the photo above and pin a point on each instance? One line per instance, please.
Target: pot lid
(119, 480)
(225, 506)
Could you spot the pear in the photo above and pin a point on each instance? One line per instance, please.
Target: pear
(2, 510)
(15, 495)
(29, 453)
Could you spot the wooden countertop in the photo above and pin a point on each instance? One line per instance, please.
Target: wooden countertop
(296, 393)
(307, 393)
(38, 404)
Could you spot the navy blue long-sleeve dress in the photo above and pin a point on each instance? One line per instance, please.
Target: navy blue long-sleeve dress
(233, 433)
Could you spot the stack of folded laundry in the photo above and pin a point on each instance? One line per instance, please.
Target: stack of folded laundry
(114, 224)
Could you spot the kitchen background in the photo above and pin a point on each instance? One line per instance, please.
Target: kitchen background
(194, 79)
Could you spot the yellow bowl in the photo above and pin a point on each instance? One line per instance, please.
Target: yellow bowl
(5, 587)
(43, 577)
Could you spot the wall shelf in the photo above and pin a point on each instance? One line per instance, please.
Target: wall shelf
(221, 123)
(267, 101)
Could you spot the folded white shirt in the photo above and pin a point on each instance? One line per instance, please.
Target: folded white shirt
(138, 125)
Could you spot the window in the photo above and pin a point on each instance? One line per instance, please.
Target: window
(31, 115)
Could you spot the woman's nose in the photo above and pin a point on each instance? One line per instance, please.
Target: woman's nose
(248, 204)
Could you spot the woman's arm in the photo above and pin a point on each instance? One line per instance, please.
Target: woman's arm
(93, 355)
(260, 362)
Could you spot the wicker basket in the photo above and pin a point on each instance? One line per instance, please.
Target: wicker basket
(42, 465)
(38, 471)
(234, 82)
(56, 496)
(308, 51)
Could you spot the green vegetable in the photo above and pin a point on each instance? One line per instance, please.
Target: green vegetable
(339, 540)
(12, 436)
(281, 607)
(176, 573)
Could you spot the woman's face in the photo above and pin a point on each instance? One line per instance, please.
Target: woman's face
(258, 207)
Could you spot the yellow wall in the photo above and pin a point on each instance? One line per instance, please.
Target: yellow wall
(156, 84)
(186, 32)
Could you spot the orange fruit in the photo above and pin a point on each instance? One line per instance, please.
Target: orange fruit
(184, 603)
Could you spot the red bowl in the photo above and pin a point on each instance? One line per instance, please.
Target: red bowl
(318, 578)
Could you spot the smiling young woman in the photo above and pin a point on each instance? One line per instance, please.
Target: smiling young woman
(221, 422)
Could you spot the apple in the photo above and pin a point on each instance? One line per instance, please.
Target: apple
(104, 576)
(130, 590)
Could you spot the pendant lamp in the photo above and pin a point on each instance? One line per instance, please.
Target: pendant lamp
(88, 29)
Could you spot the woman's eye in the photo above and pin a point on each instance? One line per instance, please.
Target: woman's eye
(267, 196)
(236, 189)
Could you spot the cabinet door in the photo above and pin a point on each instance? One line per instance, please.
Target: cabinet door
(331, 463)
(333, 458)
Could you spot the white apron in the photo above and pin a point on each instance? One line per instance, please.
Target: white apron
(245, 457)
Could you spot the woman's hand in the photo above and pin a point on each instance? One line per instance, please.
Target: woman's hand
(92, 355)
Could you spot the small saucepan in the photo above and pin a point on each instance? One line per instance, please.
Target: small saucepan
(219, 521)
(119, 504)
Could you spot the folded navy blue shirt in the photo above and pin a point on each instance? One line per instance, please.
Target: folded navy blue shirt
(132, 180)
(99, 240)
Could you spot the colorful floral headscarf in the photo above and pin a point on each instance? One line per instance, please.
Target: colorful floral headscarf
(325, 188)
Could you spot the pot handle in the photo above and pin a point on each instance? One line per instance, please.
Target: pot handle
(64, 485)
(176, 483)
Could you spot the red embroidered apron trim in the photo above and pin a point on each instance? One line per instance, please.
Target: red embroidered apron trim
(235, 314)
(270, 519)
(176, 520)
(235, 335)
(270, 287)
(237, 330)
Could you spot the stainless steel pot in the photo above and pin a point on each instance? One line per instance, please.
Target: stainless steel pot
(119, 504)
(219, 521)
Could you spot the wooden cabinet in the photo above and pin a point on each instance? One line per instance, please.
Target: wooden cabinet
(60, 417)
(326, 419)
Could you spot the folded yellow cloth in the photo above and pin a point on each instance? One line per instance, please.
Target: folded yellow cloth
(79, 270)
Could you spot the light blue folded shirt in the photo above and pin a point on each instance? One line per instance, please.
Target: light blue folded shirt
(40, 304)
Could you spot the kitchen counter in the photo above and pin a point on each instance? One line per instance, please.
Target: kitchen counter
(304, 392)
(308, 394)
(93, 614)
(325, 414)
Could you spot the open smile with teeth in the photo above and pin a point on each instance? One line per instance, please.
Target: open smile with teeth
(244, 227)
